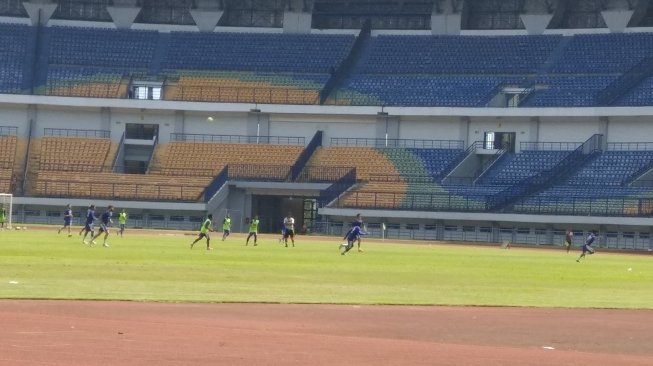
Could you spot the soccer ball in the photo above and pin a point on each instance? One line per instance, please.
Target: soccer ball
(209, 119)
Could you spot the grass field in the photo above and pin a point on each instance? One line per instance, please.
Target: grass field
(38, 264)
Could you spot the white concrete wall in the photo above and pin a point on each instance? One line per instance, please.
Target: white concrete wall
(70, 118)
(333, 126)
(15, 116)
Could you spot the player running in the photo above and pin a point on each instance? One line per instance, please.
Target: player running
(253, 230)
(352, 235)
(207, 226)
(105, 222)
(358, 222)
(569, 237)
(587, 248)
(89, 224)
(67, 220)
(289, 225)
(226, 227)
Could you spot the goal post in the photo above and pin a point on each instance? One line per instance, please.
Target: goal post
(6, 209)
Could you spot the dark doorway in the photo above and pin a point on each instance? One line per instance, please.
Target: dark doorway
(500, 140)
(141, 131)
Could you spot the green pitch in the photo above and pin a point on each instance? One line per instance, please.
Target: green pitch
(39, 264)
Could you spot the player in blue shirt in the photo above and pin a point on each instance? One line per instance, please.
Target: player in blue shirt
(105, 222)
(587, 248)
(67, 220)
(358, 222)
(89, 223)
(352, 235)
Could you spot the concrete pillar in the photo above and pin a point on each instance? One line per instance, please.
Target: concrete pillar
(534, 130)
(180, 126)
(206, 19)
(387, 127)
(105, 118)
(123, 15)
(258, 124)
(604, 124)
(464, 125)
(536, 24)
(297, 22)
(445, 24)
(617, 20)
(39, 12)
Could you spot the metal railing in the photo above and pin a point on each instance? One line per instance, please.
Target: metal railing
(254, 95)
(549, 146)
(8, 131)
(322, 174)
(406, 143)
(585, 206)
(629, 146)
(84, 88)
(121, 190)
(70, 132)
(260, 173)
(412, 201)
(237, 139)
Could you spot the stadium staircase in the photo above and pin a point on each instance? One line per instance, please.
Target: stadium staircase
(348, 65)
(576, 159)
(626, 82)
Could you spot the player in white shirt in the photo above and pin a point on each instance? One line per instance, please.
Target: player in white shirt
(289, 225)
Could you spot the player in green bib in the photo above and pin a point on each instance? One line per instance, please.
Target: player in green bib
(253, 230)
(226, 227)
(3, 217)
(207, 226)
(122, 220)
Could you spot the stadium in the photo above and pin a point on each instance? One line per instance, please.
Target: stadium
(489, 123)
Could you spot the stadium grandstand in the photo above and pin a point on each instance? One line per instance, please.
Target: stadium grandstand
(461, 120)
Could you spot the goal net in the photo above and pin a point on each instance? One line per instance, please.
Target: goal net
(6, 209)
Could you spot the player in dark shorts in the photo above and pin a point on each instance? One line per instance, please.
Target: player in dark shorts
(569, 238)
(207, 226)
(105, 222)
(289, 225)
(89, 224)
(587, 248)
(67, 220)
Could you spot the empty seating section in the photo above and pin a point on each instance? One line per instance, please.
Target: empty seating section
(458, 55)
(513, 168)
(641, 95)
(13, 48)
(604, 53)
(213, 157)
(598, 187)
(248, 87)
(393, 70)
(8, 144)
(129, 49)
(253, 68)
(92, 62)
(437, 160)
(443, 70)
(396, 178)
(375, 195)
(118, 186)
(568, 91)
(84, 82)
(424, 90)
(367, 161)
(256, 52)
(612, 168)
(73, 154)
